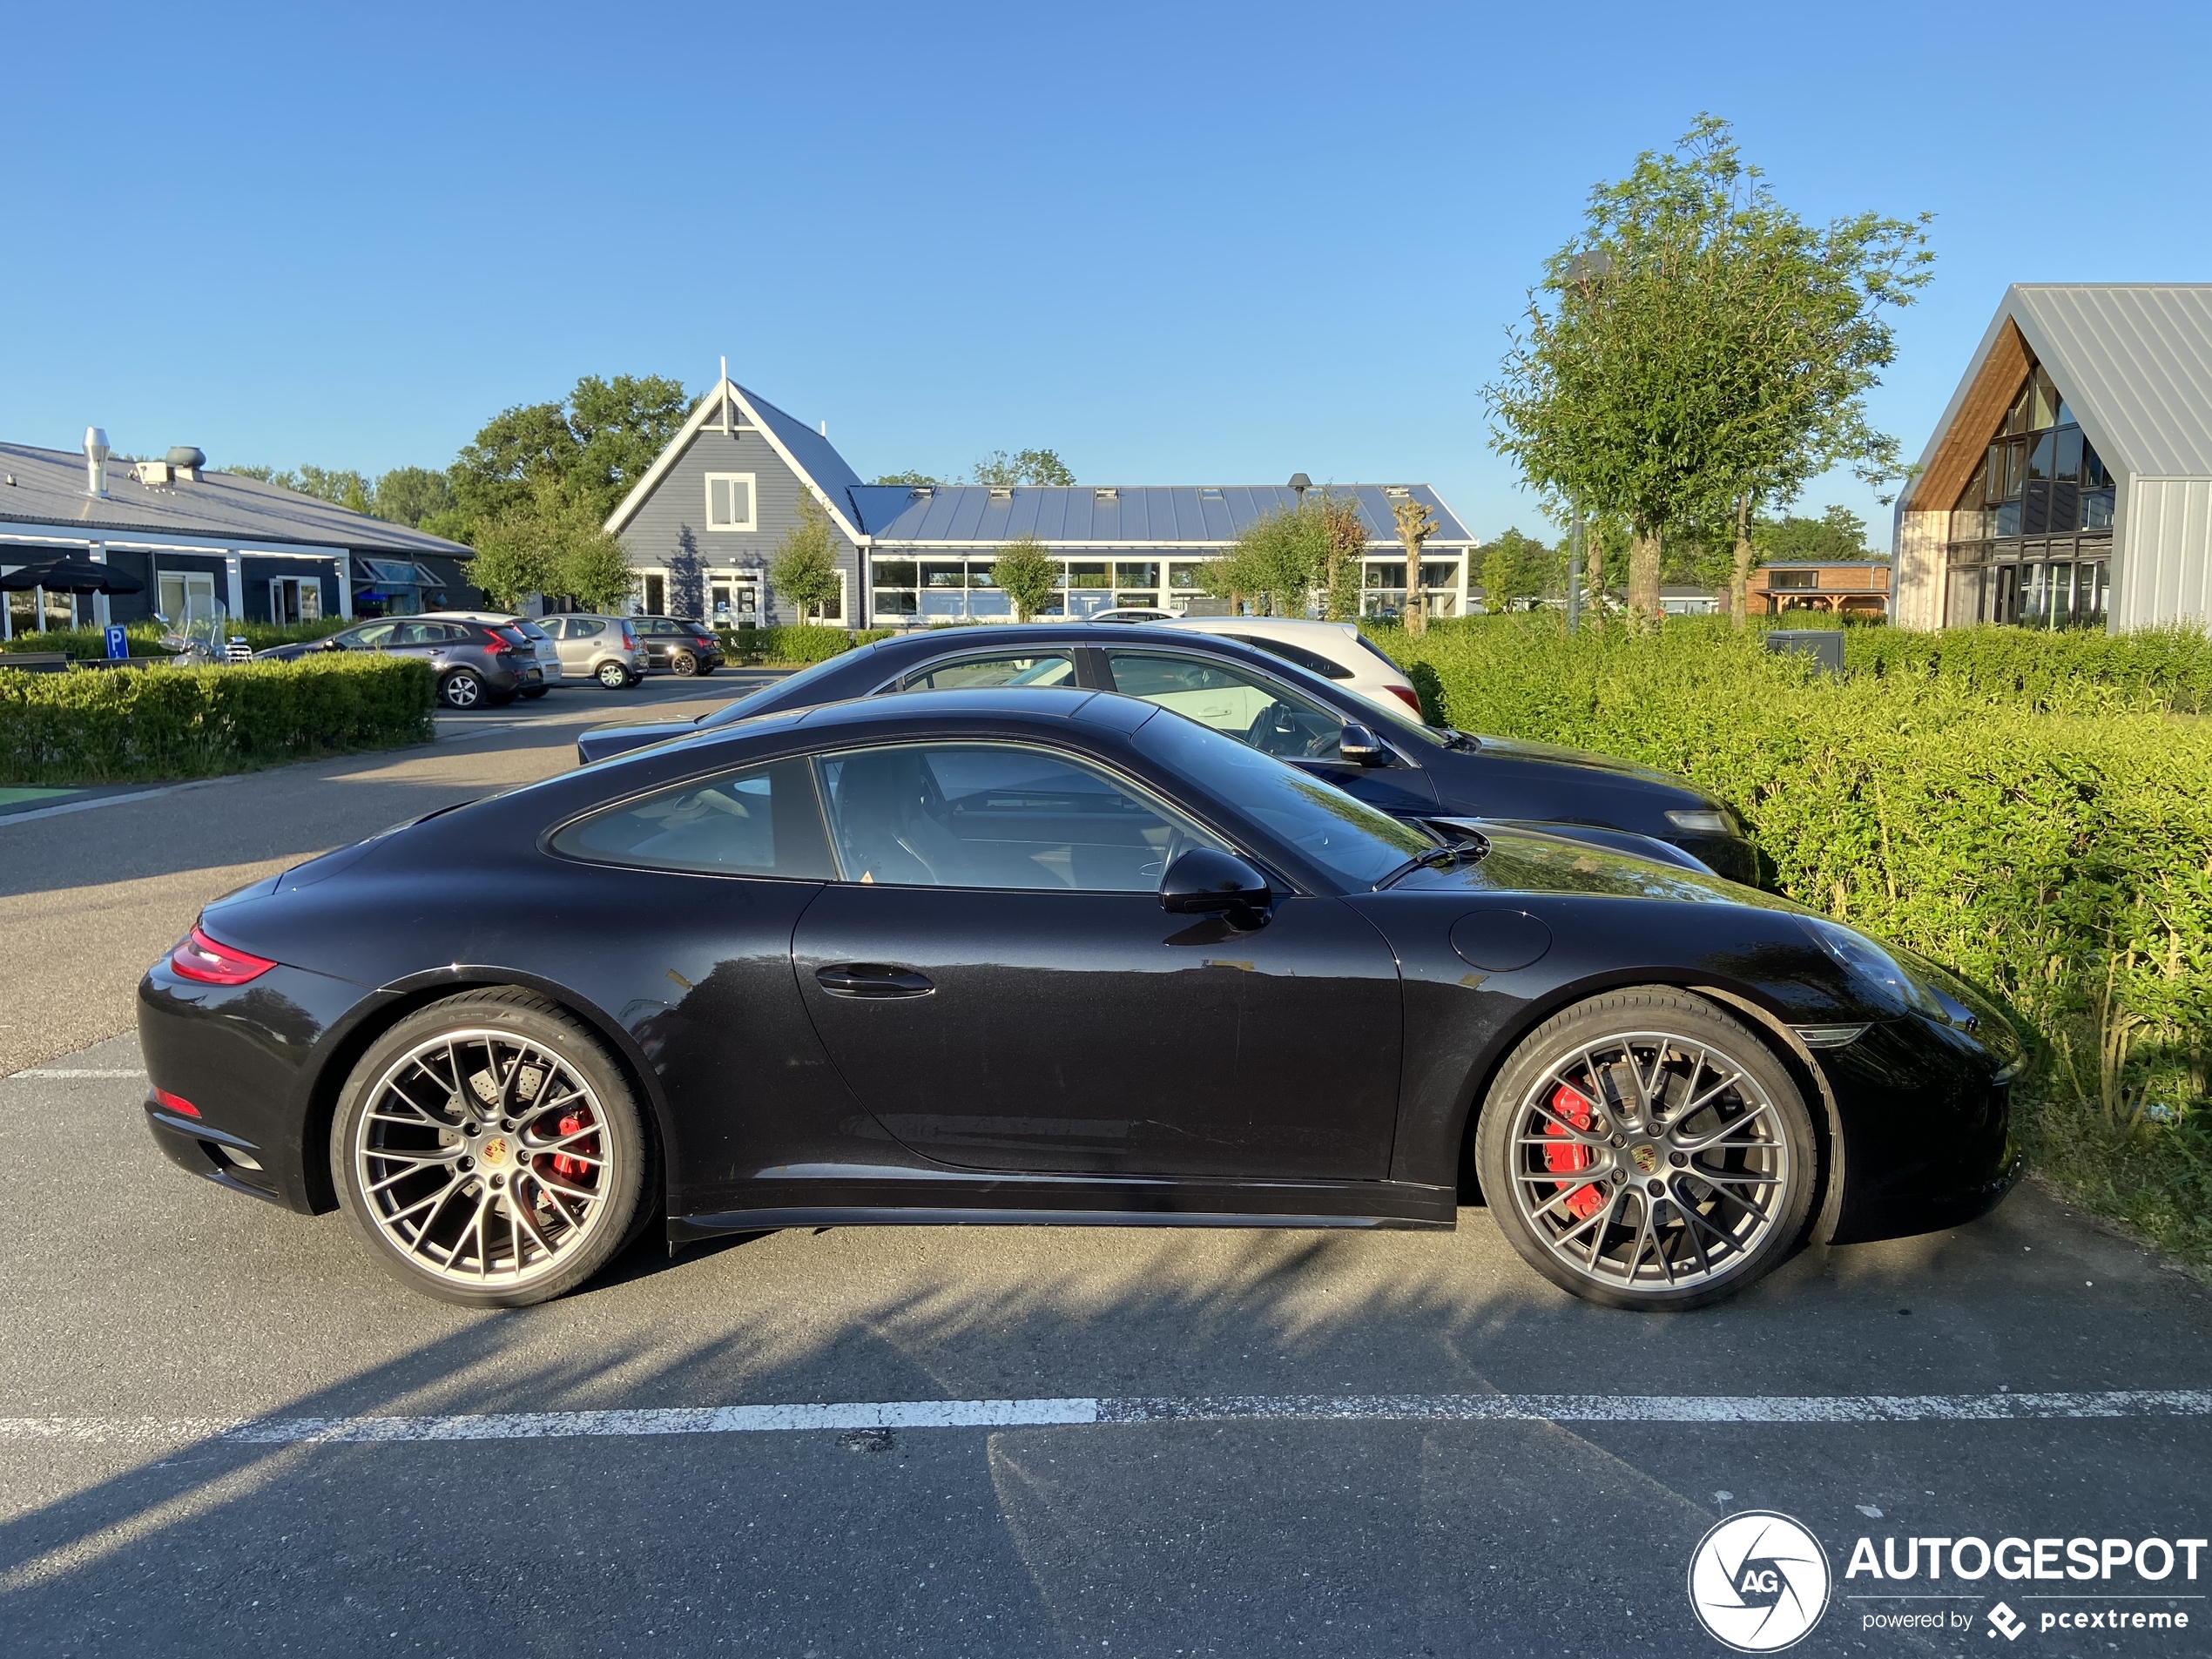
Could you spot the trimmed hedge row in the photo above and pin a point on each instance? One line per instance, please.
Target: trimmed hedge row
(125, 725)
(812, 642)
(1948, 793)
(145, 637)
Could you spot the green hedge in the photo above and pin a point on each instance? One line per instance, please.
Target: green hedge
(809, 643)
(108, 726)
(2013, 804)
(145, 637)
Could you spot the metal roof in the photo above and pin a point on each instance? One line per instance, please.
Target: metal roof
(2133, 361)
(1136, 517)
(49, 490)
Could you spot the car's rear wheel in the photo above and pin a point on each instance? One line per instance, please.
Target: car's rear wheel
(1644, 1150)
(463, 688)
(490, 1150)
(682, 662)
(613, 676)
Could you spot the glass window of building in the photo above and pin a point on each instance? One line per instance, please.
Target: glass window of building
(2030, 533)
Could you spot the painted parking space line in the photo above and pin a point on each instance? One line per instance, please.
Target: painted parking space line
(1799, 1410)
(42, 1074)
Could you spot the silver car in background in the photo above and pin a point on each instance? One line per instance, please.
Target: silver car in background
(599, 648)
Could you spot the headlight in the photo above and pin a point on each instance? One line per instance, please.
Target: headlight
(1704, 821)
(1870, 966)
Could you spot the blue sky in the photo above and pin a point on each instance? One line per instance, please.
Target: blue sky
(1177, 244)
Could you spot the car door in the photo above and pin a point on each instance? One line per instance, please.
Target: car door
(1273, 718)
(994, 977)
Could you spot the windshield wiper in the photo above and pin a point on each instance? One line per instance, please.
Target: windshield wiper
(1473, 847)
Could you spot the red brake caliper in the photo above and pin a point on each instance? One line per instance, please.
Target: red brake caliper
(573, 1169)
(1569, 1155)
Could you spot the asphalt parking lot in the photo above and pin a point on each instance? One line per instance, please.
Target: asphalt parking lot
(223, 1429)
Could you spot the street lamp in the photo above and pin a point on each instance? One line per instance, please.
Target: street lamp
(1299, 484)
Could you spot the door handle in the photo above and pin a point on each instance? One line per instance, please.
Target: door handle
(872, 979)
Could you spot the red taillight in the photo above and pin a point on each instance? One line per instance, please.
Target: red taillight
(1406, 695)
(629, 639)
(704, 641)
(176, 1104)
(498, 644)
(201, 958)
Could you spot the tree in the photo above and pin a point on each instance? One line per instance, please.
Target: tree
(511, 454)
(1415, 525)
(1344, 531)
(1516, 567)
(593, 569)
(1281, 555)
(1029, 467)
(908, 478)
(595, 445)
(1027, 574)
(1699, 346)
(804, 569)
(410, 494)
(516, 556)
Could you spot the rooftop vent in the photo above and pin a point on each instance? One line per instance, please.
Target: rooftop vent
(1209, 495)
(96, 455)
(1397, 492)
(1106, 492)
(922, 492)
(1001, 492)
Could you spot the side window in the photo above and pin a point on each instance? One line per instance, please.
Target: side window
(419, 633)
(1030, 669)
(553, 627)
(1273, 719)
(996, 815)
(761, 822)
(1312, 661)
(376, 637)
(580, 628)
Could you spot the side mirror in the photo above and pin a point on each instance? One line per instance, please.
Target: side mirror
(1203, 882)
(1361, 747)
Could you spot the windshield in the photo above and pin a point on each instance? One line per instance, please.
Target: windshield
(745, 706)
(1347, 838)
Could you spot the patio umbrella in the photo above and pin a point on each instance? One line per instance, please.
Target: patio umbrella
(70, 575)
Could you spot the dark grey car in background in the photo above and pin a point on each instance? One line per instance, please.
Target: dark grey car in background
(475, 662)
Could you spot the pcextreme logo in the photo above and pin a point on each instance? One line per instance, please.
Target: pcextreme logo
(1759, 1582)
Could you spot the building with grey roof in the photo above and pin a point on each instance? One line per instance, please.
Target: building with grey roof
(199, 540)
(2069, 482)
(703, 524)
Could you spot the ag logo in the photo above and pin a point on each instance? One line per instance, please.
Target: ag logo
(1758, 1582)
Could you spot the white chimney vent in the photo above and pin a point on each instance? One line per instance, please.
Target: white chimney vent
(96, 455)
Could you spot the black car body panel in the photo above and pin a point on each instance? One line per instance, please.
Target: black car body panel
(1424, 771)
(661, 639)
(1083, 1056)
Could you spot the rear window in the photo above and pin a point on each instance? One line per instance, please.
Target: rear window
(766, 821)
(1312, 661)
(513, 635)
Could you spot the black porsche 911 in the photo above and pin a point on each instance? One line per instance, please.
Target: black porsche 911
(1247, 689)
(1050, 956)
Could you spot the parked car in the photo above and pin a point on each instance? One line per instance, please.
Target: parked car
(605, 649)
(1335, 650)
(1393, 761)
(548, 658)
(1050, 955)
(677, 645)
(475, 661)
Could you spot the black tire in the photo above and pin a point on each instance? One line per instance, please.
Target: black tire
(614, 676)
(682, 662)
(474, 1026)
(463, 688)
(1608, 1093)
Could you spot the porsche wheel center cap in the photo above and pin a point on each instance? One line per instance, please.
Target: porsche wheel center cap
(1646, 1156)
(493, 1150)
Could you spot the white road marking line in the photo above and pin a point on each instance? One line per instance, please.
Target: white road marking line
(55, 1072)
(1072, 1413)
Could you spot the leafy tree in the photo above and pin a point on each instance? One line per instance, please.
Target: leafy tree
(1281, 555)
(514, 451)
(1839, 533)
(1415, 525)
(804, 569)
(1344, 530)
(1517, 567)
(594, 569)
(410, 494)
(1028, 466)
(1699, 347)
(595, 445)
(907, 478)
(1027, 574)
(517, 555)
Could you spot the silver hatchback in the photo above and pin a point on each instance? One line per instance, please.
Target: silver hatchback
(601, 648)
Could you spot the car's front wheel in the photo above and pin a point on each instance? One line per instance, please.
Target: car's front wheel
(490, 1150)
(1644, 1150)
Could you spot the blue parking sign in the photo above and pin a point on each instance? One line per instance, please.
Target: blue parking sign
(118, 647)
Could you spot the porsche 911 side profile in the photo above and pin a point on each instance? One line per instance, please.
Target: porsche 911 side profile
(1059, 956)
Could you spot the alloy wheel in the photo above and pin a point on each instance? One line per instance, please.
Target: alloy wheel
(483, 1158)
(1650, 1161)
(461, 690)
(613, 676)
